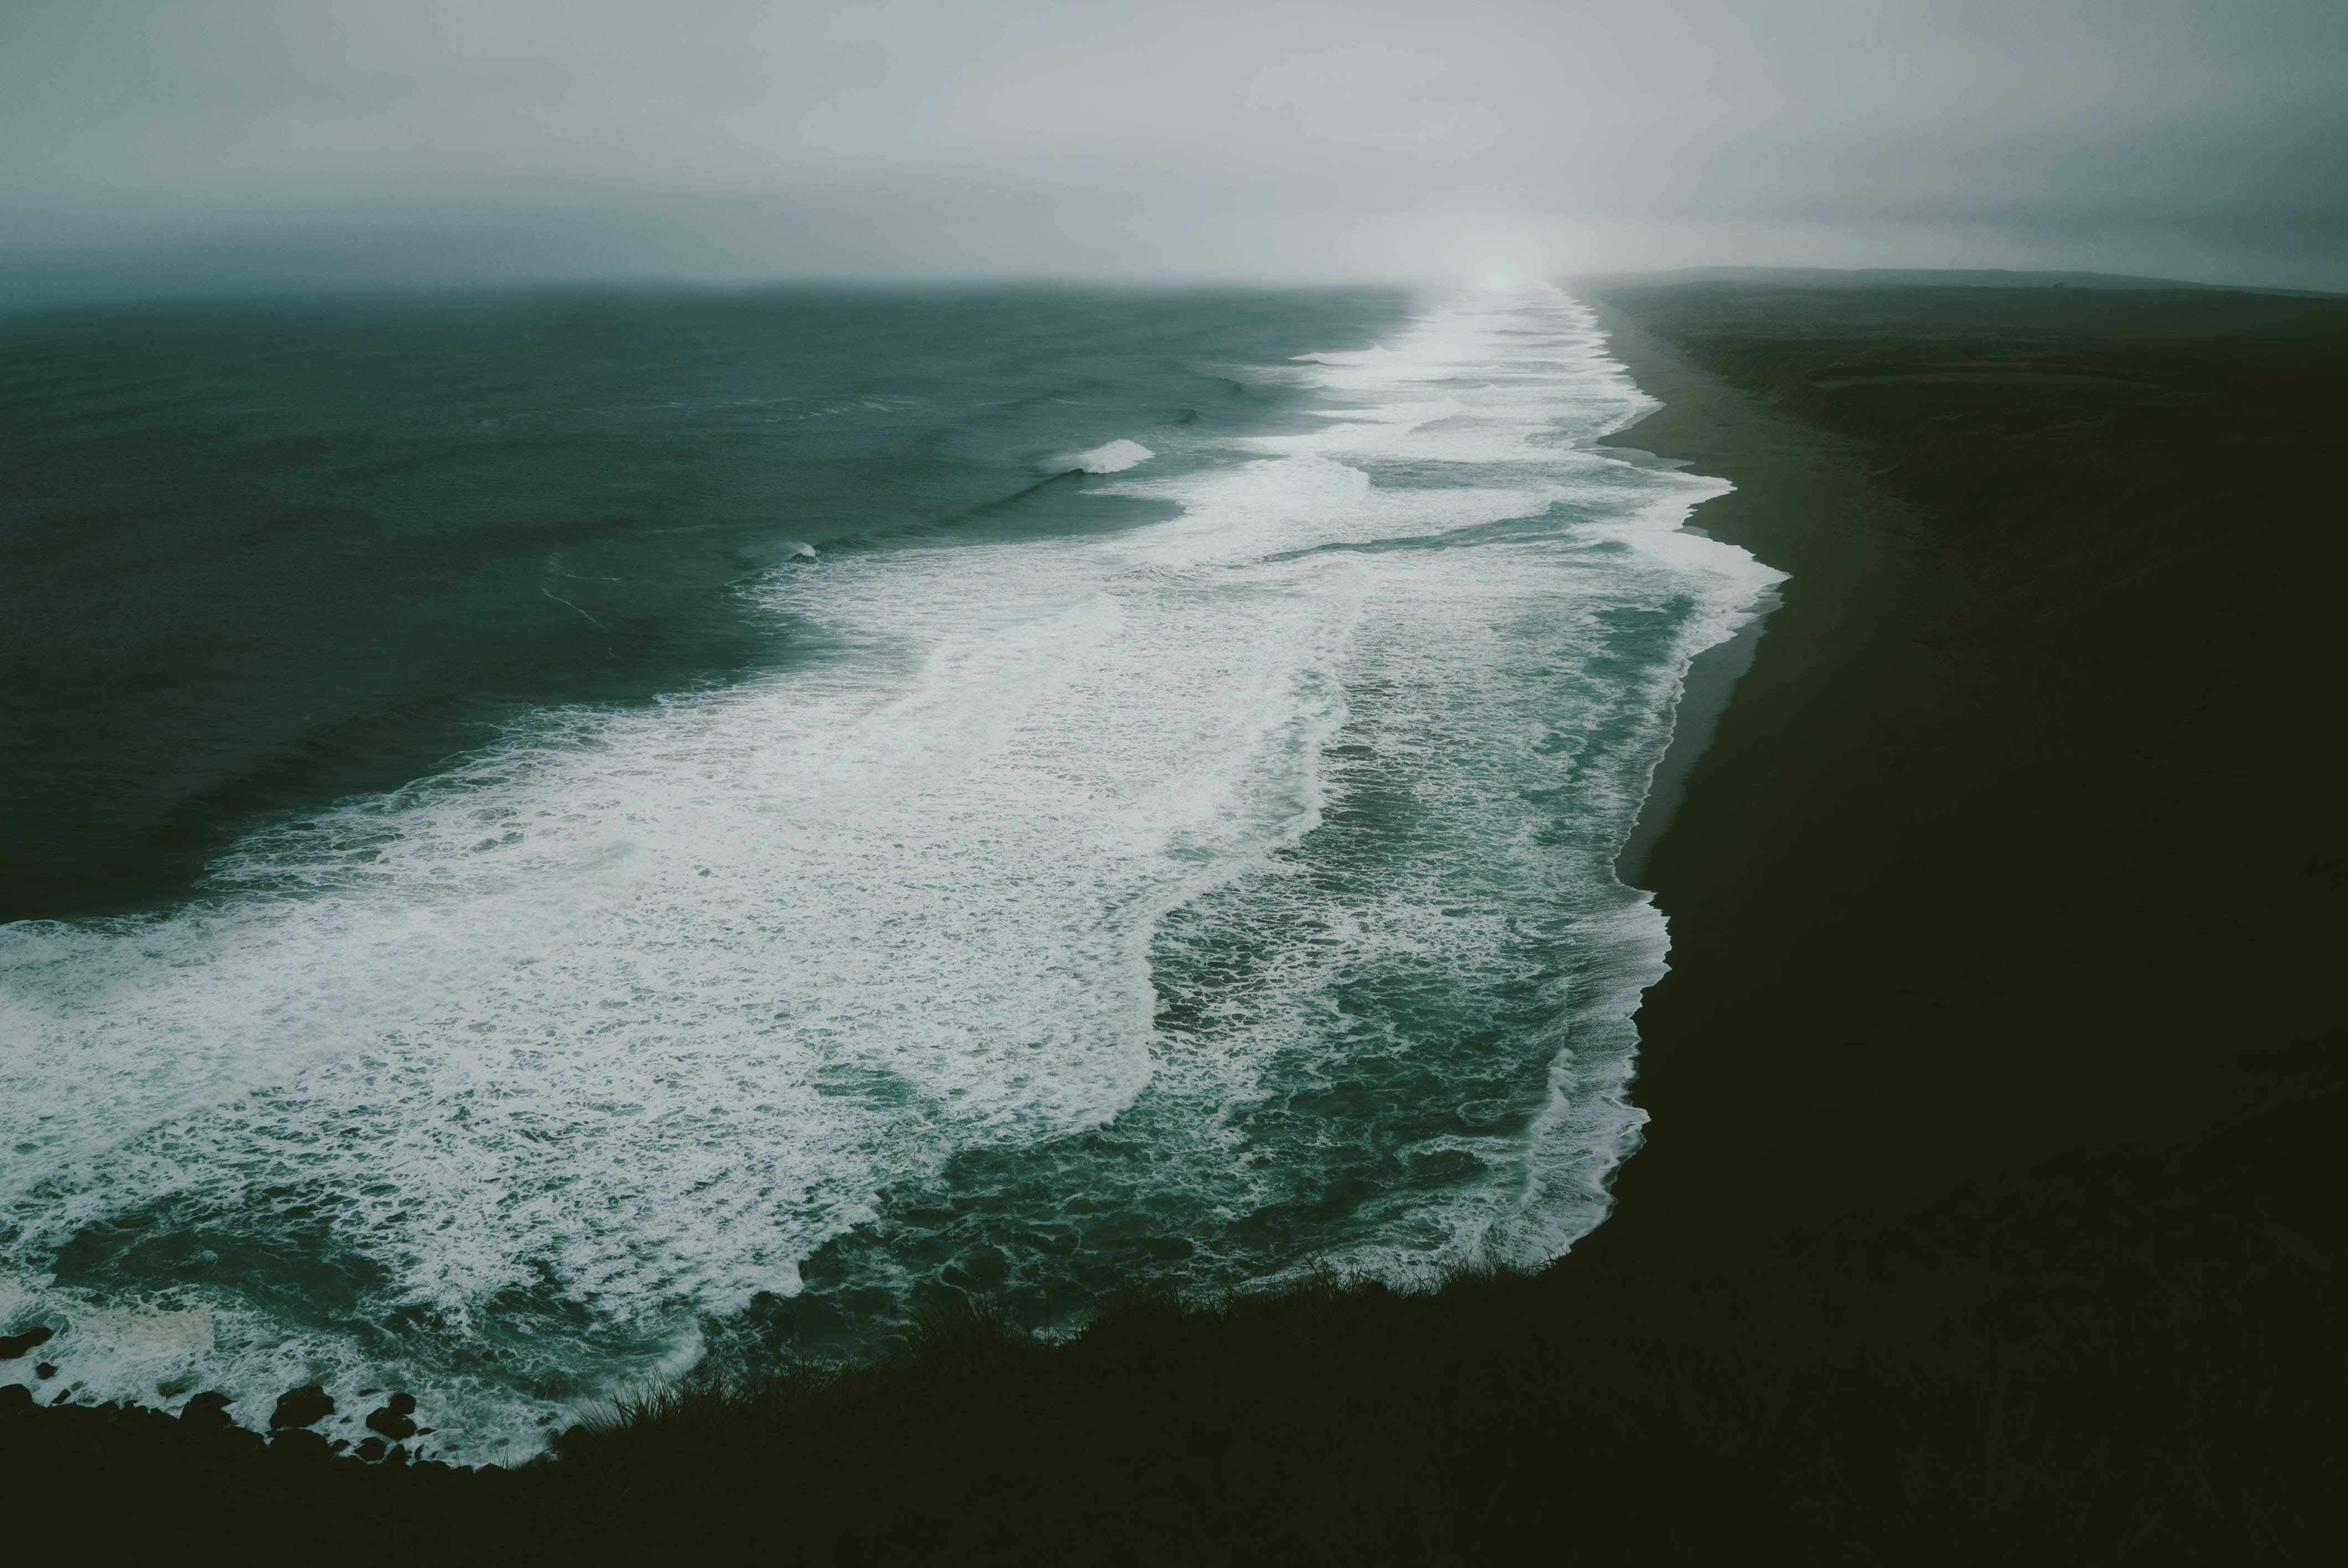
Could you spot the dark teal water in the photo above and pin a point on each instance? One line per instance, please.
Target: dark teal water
(555, 841)
(256, 559)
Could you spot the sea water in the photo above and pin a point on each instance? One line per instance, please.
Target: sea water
(559, 841)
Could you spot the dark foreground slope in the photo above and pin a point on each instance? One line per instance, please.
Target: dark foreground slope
(1977, 1203)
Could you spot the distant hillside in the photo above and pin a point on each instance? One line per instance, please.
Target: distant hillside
(1913, 277)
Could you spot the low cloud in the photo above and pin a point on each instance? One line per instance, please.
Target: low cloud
(160, 147)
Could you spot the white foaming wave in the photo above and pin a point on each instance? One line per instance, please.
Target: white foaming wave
(1516, 409)
(1114, 458)
(653, 1002)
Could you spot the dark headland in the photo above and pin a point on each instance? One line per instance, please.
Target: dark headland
(1988, 1083)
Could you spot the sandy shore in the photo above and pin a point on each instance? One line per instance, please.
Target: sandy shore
(1756, 846)
(1958, 892)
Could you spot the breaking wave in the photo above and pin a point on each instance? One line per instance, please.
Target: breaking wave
(1208, 898)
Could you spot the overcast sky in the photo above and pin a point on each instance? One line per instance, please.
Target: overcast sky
(198, 144)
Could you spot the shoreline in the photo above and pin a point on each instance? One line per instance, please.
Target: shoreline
(1706, 692)
(1791, 704)
(1977, 1209)
(1956, 892)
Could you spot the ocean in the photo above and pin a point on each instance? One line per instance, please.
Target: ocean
(558, 841)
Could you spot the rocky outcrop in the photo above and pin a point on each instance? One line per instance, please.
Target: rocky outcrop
(303, 1407)
(397, 1419)
(15, 1345)
(299, 1442)
(208, 1411)
(78, 1469)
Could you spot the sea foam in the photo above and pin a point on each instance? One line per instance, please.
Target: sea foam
(1114, 458)
(1275, 838)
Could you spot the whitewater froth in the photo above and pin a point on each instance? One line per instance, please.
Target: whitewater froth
(1114, 458)
(568, 1052)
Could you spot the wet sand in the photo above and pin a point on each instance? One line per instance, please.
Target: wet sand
(1993, 1066)
(1764, 819)
(1966, 892)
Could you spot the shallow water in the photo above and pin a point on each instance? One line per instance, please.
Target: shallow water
(1165, 829)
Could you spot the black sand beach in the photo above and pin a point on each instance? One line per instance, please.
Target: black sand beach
(1991, 827)
(1978, 1206)
(1995, 907)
